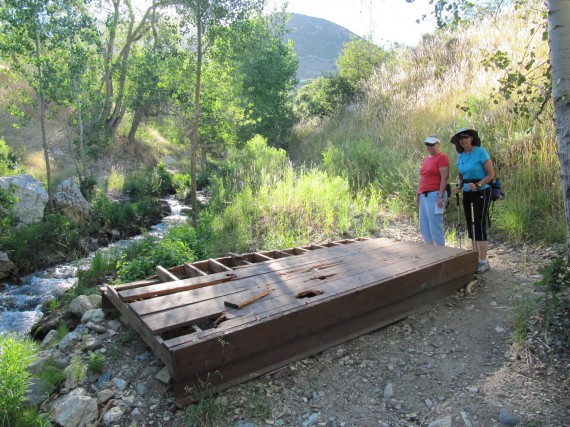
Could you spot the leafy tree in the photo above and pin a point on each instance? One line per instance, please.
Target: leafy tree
(123, 25)
(205, 16)
(358, 59)
(155, 75)
(24, 40)
(264, 69)
(323, 96)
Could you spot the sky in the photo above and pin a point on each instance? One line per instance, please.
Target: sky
(384, 21)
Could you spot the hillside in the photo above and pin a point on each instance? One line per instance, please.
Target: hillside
(318, 43)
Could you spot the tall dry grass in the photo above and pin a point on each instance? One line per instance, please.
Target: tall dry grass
(439, 86)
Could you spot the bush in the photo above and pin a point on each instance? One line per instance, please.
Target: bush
(40, 244)
(15, 356)
(180, 245)
(8, 162)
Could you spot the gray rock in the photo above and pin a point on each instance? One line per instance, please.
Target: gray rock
(74, 410)
(506, 418)
(163, 376)
(70, 202)
(113, 415)
(105, 395)
(92, 344)
(69, 341)
(104, 378)
(442, 422)
(98, 329)
(388, 391)
(7, 267)
(80, 305)
(313, 418)
(49, 339)
(114, 324)
(120, 383)
(142, 389)
(94, 315)
(32, 197)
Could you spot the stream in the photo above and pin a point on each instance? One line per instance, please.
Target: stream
(20, 305)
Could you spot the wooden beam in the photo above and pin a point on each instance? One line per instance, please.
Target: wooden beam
(193, 271)
(242, 302)
(164, 275)
(259, 257)
(218, 267)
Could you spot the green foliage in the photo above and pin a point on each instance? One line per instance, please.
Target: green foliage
(128, 216)
(363, 163)
(102, 266)
(246, 168)
(208, 412)
(8, 162)
(154, 182)
(298, 208)
(523, 310)
(263, 69)
(324, 96)
(62, 330)
(555, 277)
(96, 363)
(179, 245)
(15, 356)
(358, 59)
(7, 201)
(35, 245)
(51, 375)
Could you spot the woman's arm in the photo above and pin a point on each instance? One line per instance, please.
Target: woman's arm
(490, 173)
(443, 177)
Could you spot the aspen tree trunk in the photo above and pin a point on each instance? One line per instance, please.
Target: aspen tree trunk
(559, 39)
(196, 124)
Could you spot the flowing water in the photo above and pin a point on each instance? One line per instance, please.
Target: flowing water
(20, 305)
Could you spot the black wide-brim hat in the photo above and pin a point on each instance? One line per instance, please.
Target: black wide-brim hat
(455, 138)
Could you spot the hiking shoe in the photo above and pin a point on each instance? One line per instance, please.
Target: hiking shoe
(483, 266)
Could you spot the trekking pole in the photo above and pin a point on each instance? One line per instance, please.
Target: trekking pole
(458, 228)
(475, 248)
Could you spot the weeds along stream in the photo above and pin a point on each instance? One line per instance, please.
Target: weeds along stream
(21, 305)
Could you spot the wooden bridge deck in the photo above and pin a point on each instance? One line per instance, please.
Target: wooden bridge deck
(224, 321)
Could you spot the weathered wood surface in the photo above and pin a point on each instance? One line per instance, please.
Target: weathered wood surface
(243, 317)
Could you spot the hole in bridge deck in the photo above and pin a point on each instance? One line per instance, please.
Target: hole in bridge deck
(308, 293)
(211, 322)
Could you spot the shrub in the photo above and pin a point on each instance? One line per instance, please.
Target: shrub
(15, 356)
(8, 162)
(139, 261)
(40, 244)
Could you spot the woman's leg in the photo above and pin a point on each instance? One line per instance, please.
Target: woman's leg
(482, 248)
(424, 220)
(435, 220)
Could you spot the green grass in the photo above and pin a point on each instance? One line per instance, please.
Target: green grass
(524, 307)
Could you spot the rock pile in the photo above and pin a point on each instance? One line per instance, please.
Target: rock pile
(122, 394)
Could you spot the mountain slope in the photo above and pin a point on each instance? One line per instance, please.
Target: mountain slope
(318, 43)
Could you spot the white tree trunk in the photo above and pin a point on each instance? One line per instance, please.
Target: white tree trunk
(559, 38)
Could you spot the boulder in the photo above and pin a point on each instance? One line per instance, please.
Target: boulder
(75, 409)
(7, 267)
(32, 197)
(70, 202)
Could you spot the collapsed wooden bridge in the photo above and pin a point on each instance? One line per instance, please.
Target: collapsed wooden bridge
(220, 322)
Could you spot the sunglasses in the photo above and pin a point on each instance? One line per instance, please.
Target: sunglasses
(464, 136)
(430, 145)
